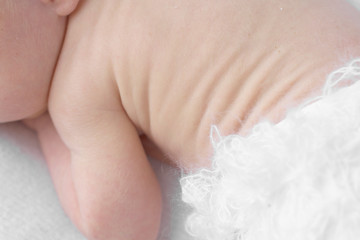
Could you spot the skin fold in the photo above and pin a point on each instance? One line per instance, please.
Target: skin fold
(106, 82)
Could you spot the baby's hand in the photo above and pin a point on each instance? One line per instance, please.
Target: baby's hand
(166, 71)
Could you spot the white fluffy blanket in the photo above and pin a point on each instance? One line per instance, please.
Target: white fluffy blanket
(298, 179)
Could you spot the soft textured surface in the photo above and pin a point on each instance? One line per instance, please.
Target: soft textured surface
(298, 179)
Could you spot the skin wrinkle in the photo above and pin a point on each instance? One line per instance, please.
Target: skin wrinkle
(305, 82)
(209, 96)
(145, 98)
(174, 88)
(264, 98)
(196, 72)
(142, 55)
(146, 101)
(178, 53)
(195, 101)
(245, 72)
(255, 76)
(191, 104)
(268, 102)
(170, 91)
(205, 93)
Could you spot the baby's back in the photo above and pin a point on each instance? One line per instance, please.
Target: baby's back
(190, 70)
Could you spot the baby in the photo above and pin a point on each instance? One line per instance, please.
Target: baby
(104, 83)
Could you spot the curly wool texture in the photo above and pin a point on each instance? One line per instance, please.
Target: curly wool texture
(298, 179)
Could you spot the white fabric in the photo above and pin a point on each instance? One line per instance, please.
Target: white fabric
(356, 3)
(298, 179)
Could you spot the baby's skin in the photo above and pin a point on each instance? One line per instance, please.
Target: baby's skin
(104, 83)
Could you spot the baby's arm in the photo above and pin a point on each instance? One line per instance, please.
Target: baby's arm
(98, 166)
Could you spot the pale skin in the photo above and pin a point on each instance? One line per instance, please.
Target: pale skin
(122, 79)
